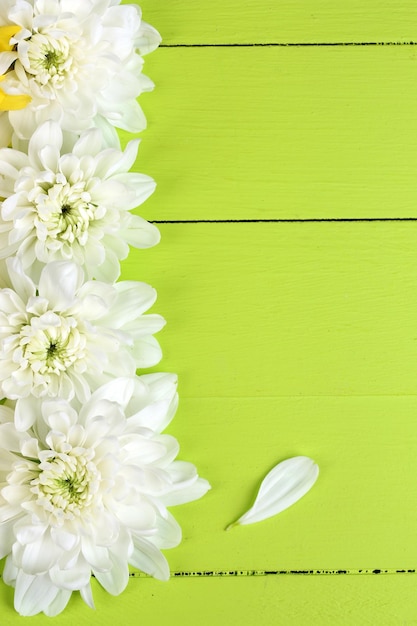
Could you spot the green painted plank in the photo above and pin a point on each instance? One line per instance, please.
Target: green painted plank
(362, 512)
(243, 133)
(329, 601)
(266, 21)
(282, 309)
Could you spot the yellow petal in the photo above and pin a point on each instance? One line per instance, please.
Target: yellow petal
(10, 102)
(6, 33)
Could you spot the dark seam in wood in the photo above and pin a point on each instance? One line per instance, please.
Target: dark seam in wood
(287, 221)
(289, 44)
(296, 572)
(271, 572)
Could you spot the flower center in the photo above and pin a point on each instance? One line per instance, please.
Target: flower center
(66, 483)
(53, 349)
(64, 212)
(50, 59)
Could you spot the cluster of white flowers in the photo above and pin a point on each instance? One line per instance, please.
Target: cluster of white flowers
(85, 473)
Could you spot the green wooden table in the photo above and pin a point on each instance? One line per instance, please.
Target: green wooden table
(283, 138)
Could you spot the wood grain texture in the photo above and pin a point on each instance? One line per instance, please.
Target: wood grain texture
(361, 513)
(296, 340)
(266, 21)
(288, 338)
(281, 133)
(286, 309)
(289, 601)
(293, 339)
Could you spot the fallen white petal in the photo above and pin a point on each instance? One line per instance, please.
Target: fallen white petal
(286, 483)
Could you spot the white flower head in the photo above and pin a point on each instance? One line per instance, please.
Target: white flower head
(85, 491)
(72, 202)
(79, 60)
(63, 337)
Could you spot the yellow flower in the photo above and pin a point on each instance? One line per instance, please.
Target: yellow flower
(9, 102)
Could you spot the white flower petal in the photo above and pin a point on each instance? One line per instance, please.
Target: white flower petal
(33, 594)
(11, 161)
(6, 460)
(111, 194)
(187, 493)
(156, 416)
(139, 518)
(7, 537)
(109, 270)
(147, 558)
(119, 390)
(147, 351)
(286, 483)
(141, 185)
(59, 603)
(10, 438)
(109, 133)
(169, 532)
(140, 233)
(21, 283)
(57, 414)
(38, 556)
(59, 282)
(161, 385)
(28, 533)
(6, 414)
(148, 39)
(128, 116)
(65, 540)
(13, 495)
(48, 134)
(87, 595)
(21, 13)
(141, 327)
(143, 450)
(186, 485)
(6, 59)
(71, 578)
(115, 580)
(133, 299)
(49, 157)
(90, 143)
(97, 556)
(26, 412)
(112, 162)
(30, 448)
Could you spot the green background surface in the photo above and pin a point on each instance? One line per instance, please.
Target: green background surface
(289, 337)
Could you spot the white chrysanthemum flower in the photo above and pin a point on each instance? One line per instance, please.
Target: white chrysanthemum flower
(85, 491)
(78, 60)
(63, 337)
(72, 202)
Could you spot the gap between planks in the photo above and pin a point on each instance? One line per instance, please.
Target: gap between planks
(253, 573)
(250, 573)
(307, 220)
(288, 44)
